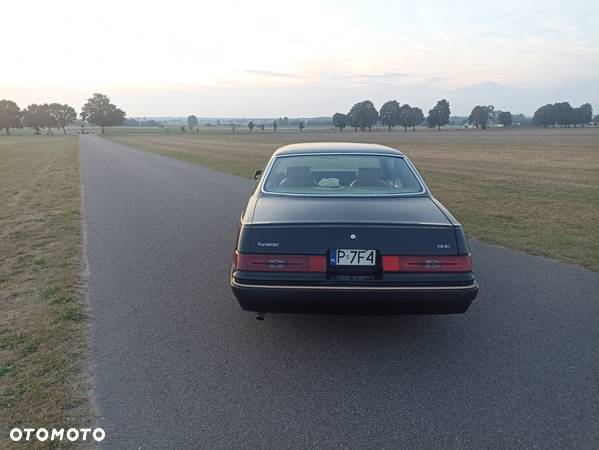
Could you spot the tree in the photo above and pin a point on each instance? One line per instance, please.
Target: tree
(544, 116)
(261, 126)
(505, 118)
(363, 115)
(339, 121)
(48, 118)
(192, 122)
(439, 115)
(596, 120)
(10, 115)
(405, 116)
(36, 116)
(390, 114)
(275, 125)
(251, 125)
(479, 117)
(584, 114)
(301, 125)
(62, 115)
(563, 113)
(416, 117)
(431, 119)
(99, 111)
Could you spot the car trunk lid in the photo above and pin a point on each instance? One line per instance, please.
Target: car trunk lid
(309, 225)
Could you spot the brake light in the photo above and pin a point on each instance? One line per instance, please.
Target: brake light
(280, 263)
(391, 264)
(462, 263)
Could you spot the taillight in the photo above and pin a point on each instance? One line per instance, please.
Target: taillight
(391, 264)
(461, 263)
(280, 263)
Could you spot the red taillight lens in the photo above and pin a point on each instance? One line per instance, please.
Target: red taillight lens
(391, 264)
(317, 263)
(280, 263)
(427, 263)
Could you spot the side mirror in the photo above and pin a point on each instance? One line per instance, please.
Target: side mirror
(257, 175)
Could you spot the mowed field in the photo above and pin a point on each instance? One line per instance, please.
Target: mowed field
(43, 313)
(535, 190)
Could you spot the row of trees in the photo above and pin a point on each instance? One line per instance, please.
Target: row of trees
(364, 115)
(47, 115)
(98, 110)
(563, 115)
(275, 124)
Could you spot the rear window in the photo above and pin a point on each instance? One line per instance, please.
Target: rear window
(342, 175)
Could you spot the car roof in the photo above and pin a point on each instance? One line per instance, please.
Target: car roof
(334, 147)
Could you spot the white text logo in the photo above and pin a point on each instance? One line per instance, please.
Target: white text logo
(57, 434)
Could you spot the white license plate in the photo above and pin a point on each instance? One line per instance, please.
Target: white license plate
(352, 257)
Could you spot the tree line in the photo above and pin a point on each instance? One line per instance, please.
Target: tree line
(363, 115)
(563, 115)
(38, 117)
(98, 110)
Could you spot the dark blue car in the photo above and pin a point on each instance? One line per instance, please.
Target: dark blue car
(349, 229)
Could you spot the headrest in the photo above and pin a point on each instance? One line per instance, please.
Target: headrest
(298, 172)
(370, 173)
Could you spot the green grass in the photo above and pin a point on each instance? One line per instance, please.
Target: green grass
(43, 327)
(535, 190)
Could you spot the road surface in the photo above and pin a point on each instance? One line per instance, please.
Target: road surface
(176, 363)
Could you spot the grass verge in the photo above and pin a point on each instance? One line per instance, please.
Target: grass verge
(43, 322)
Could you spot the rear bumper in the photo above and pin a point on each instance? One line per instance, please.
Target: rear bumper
(339, 299)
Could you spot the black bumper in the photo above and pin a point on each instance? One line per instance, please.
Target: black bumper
(307, 298)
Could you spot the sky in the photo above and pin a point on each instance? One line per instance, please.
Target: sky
(299, 58)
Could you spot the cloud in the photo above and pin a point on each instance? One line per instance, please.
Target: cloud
(515, 55)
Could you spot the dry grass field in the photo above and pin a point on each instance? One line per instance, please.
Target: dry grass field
(535, 190)
(42, 320)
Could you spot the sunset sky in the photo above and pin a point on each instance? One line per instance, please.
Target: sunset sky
(304, 58)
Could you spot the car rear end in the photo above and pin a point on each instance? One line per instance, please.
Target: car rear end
(353, 268)
(362, 249)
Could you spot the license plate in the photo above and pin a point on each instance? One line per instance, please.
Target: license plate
(352, 257)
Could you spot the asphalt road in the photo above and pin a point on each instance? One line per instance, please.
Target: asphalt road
(177, 364)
